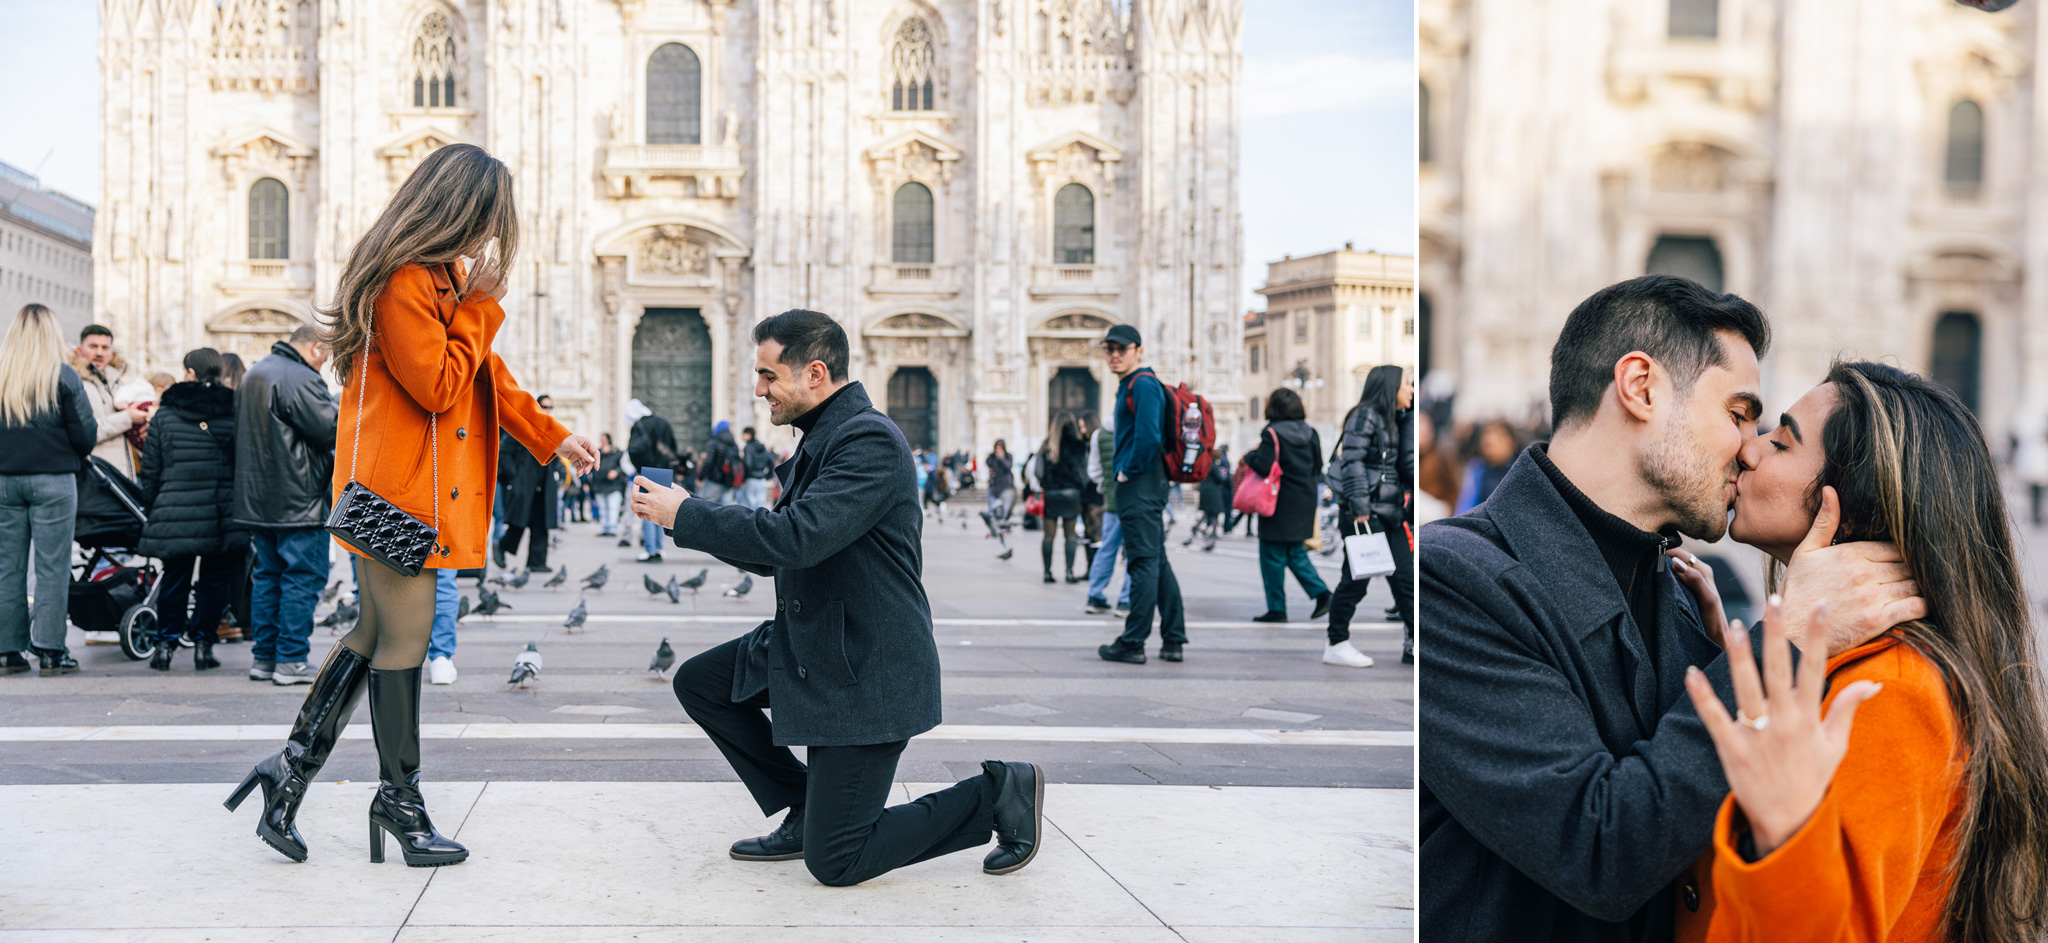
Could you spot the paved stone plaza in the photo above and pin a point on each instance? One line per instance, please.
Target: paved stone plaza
(1249, 793)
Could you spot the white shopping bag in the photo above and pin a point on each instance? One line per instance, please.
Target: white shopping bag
(1369, 555)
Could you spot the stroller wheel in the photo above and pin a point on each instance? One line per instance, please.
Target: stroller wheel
(138, 632)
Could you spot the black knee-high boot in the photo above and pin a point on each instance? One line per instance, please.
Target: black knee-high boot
(1045, 550)
(398, 807)
(1089, 549)
(1072, 544)
(284, 774)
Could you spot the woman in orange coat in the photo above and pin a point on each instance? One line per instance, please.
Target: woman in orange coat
(423, 398)
(1926, 820)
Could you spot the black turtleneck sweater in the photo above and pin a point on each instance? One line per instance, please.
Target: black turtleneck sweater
(804, 422)
(1633, 555)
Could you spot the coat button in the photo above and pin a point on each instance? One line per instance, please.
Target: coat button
(778, 605)
(796, 605)
(803, 672)
(452, 495)
(461, 433)
(1692, 897)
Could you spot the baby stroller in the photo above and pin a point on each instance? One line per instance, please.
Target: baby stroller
(113, 590)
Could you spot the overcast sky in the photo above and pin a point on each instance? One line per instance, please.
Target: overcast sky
(1328, 118)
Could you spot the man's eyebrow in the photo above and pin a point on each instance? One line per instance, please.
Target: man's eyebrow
(1786, 420)
(1749, 403)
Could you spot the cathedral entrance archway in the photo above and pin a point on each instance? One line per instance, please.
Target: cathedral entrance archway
(672, 371)
(1074, 390)
(914, 406)
(1958, 354)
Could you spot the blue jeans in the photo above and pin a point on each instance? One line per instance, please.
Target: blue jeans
(291, 569)
(1275, 559)
(608, 504)
(37, 517)
(1105, 562)
(650, 532)
(441, 644)
(715, 493)
(754, 494)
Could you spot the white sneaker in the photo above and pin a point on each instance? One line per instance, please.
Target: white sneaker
(1345, 655)
(441, 671)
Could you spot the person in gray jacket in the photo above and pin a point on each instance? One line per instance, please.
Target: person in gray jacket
(284, 463)
(848, 662)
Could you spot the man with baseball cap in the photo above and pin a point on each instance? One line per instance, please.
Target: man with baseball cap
(1141, 402)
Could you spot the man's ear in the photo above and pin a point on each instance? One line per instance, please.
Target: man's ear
(1635, 382)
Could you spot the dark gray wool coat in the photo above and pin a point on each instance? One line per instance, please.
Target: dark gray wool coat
(849, 657)
(188, 473)
(1565, 780)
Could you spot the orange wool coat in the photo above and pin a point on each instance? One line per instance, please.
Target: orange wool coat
(1872, 862)
(429, 354)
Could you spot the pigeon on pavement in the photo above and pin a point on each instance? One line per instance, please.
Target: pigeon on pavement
(695, 583)
(664, 658)
(328, 594)
(462, 609)
(526, 667)
(674, 589)
(576, 616)
(653, 588)
(561, 576)
(596, 579)
(488, 603)
(343, 616)
(519, 582)
(741, 589)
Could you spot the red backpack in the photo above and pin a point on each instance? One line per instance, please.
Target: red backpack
(1187, 440)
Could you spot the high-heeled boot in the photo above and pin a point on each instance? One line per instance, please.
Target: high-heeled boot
(1072, 545)
(398, 807)
(285, 774)
(1045, 551)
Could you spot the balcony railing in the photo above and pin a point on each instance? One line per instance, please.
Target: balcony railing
(1073, 280)
(715, 167)
(914, 279)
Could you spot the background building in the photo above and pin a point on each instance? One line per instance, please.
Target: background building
(1329, 320)
(45, 251)
(1871, 173)
(977, 189)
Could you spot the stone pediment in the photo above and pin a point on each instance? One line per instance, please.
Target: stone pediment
(1074, 324)
(405, 153)
(1050, 150)
(907, 142)
(917, 324)
(264, 142)
(257, 320)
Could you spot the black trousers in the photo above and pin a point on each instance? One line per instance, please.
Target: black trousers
(537, 543)
(216, 591)
(849, 835)
(1139, 502)
(1344, 601)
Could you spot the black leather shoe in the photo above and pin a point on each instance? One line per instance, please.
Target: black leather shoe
(1169, 653)
(160, 657)
(12, 663)
(57, 662)
(498, 556)
(1020, 815)
(786, 843)
(202, 656)
(1322, 605)
(285, 774)
(1271, 615)
(398, 808)
(1117, 652)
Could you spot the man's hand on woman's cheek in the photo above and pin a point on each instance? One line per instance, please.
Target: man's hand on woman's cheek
(1866, 586)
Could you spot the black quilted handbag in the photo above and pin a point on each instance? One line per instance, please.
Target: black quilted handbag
(375, 527)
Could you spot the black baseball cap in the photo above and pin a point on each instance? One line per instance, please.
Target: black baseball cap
(1123, 334)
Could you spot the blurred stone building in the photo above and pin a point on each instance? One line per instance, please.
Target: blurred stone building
(977, 189)
(45, 251)
(1330, 318)
(1873, 174)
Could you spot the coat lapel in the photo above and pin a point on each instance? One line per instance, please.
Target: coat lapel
(849, 402)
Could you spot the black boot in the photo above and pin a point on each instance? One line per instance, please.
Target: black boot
(786, 843)
(398, 807)
(1045, 550)
(202, 654)
(1072, 545)
(51, 662)
(1408, 646)
(1019, 813)
(285, 774)
(160, 658)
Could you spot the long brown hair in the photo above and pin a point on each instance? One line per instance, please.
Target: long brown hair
(457, 200)
(1910, 464)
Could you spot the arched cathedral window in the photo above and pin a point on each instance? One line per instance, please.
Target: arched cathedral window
(1073, 223)
(433, 63)
(269, 220)
(1964, 168)
(1694, 19)
(674, 96)
(913, 223)
(911, 64)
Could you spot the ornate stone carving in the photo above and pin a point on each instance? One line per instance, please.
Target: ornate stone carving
(914, 321)
(670, 251)
(1082, 53)
(1688, 167)
(264, 46)
(1076, 322)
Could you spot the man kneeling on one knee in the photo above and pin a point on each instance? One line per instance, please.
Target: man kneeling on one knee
(848, 662)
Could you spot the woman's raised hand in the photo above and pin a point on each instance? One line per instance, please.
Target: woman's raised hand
(489, 279)
(1698, 578)
(1778, 753)
(578, 452)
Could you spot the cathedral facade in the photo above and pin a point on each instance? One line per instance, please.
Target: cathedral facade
(1871, 174)
(976, 189)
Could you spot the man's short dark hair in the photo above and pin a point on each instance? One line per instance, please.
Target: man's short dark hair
(1674, 320)
(748, 431)
(99, 329)
(306, 334)
(806, 336)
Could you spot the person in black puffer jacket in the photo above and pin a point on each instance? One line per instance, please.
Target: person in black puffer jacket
(188, 483)
(1375, 472)
(1299, 450)
(1062, 472)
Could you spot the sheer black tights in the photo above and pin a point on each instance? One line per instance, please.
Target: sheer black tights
(397, 617)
